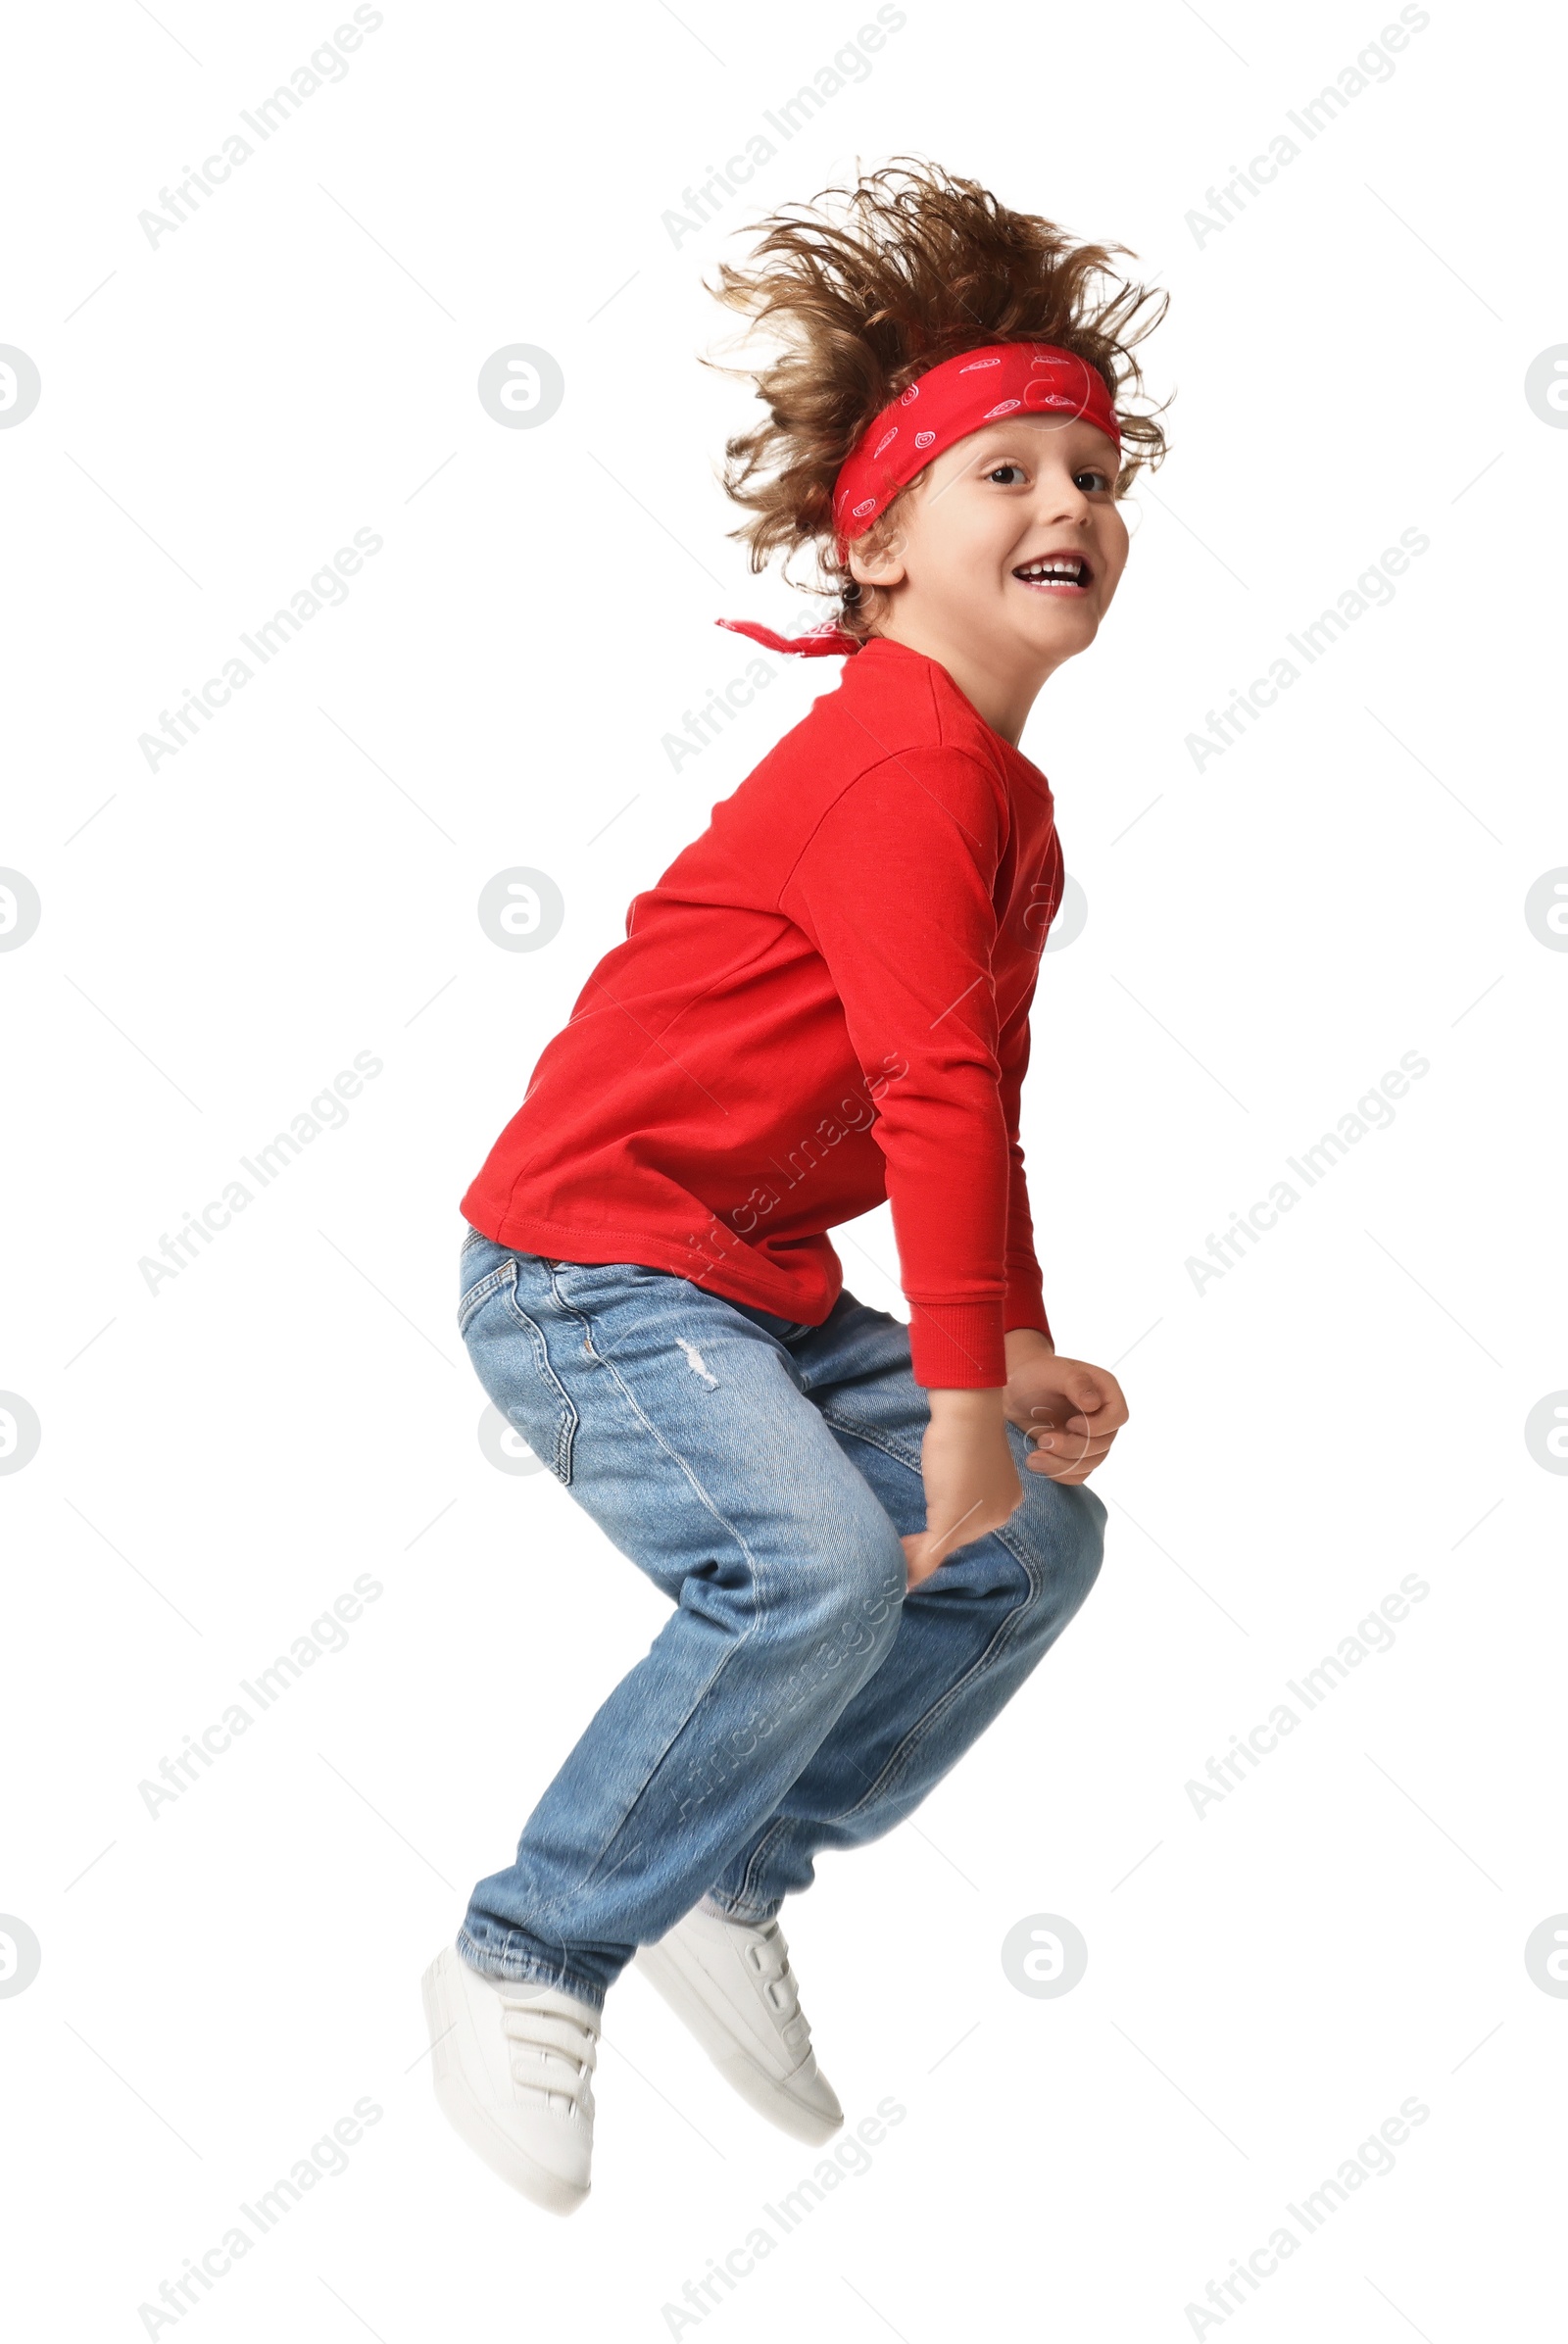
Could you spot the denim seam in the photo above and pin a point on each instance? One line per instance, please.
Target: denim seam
(477, 1294)
(856, 1431)
(752, 1565)
(773, 1831)
(1005, 1632)
(597, 1871)
(899, 1456)
(567, 1421)
(897, 1763)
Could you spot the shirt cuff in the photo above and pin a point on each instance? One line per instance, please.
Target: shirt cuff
(957, 1346)
(1025, 1305)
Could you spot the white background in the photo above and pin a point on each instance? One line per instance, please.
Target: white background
(221, 411)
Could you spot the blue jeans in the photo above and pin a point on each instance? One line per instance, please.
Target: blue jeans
(800, 1696)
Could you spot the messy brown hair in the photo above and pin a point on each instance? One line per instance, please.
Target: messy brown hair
(864, 288)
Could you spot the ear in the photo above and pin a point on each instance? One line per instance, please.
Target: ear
(875, 564)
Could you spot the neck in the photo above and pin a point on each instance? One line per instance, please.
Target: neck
(996, 687)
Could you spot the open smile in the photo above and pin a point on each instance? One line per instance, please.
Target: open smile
(1061, 575)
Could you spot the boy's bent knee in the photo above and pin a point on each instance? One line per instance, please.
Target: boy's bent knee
(1085, 1542)
(1063, 1523)
(831, 1629)
(857, 1594)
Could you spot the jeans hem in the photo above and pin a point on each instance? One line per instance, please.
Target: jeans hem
(560, 1976)
(733, 1908)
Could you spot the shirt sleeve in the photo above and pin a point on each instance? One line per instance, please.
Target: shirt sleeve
(1024, 1303)
(895, 890)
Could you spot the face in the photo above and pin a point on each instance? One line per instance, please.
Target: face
(1011, 545)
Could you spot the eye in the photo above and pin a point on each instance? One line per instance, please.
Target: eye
(1091, 482)
(997, 470)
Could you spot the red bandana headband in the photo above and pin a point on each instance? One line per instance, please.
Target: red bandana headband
(942, 406)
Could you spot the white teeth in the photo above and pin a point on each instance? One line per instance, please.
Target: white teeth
(1070, 569)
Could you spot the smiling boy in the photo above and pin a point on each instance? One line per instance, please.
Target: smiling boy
(870, 1530)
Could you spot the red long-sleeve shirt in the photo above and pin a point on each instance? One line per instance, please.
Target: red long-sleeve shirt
(824, 1001)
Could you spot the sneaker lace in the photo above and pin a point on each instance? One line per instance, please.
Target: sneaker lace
(553, 2056)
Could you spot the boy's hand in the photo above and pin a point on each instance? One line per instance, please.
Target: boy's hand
(1076, 1409)
(971, 1483)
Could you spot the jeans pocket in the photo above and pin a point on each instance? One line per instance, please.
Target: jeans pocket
(578, 1282)
(544, 1412)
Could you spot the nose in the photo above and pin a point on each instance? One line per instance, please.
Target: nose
(1058, 497)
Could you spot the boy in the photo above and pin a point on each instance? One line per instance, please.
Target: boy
(824, 1001)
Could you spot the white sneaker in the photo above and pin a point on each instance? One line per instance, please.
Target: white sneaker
(513, 2066)
(730, 1982)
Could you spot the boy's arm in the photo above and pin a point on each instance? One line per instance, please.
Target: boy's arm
(894, 888)
(1025, 1306)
